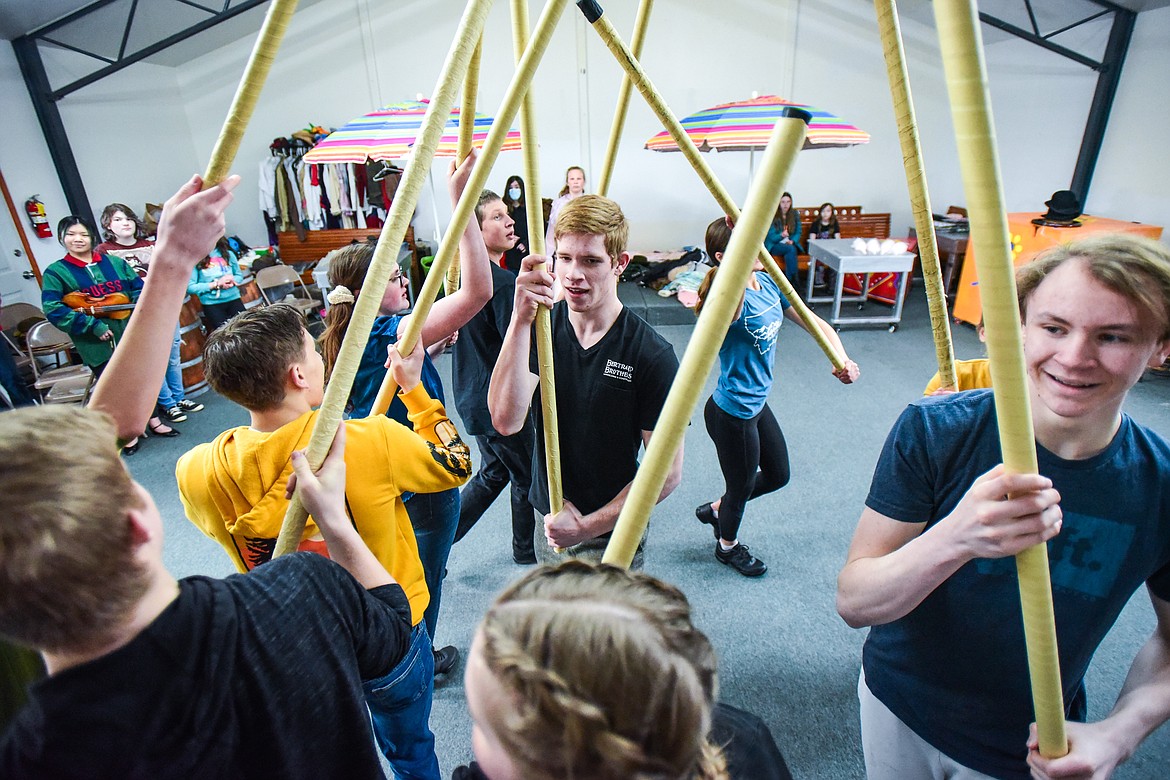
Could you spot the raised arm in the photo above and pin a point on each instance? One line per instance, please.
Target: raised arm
(323, 495)
(1096, 749)
(512, 385)
(848, 373)
(191, 223)
(452, 312)
(892, 565)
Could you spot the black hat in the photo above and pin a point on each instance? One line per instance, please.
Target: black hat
(1064, 206)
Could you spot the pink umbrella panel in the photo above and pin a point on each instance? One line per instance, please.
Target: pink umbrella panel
(390, 132)
(746, 125)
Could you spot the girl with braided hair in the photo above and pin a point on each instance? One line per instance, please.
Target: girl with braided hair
(593, 672)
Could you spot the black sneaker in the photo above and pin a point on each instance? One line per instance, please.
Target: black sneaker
(174, 414)
(707, 515)
(524, 557)
(445, 659)
(190, 406)
(741, 560)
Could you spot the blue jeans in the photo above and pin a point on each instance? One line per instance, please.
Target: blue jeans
(400, 708)
(434, 517)
(172, 389)
(787, 253)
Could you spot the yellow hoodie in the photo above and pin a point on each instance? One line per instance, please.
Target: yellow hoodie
(233, 487)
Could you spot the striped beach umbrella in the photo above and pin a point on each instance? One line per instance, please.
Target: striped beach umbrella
(390, 132)
(746, 125)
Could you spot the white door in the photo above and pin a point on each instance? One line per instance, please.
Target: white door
(17, 282)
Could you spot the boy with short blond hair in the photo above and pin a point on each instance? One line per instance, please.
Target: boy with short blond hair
(612, 370)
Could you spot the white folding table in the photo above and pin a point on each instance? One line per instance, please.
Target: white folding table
(839, 254)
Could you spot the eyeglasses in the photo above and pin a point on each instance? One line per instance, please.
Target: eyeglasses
(398, 277)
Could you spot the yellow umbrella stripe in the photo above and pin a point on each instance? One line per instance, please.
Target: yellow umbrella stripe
(710, 330)
(962, 48)
(385, 260)
(634, 70)
(899, 78)
(641, 22)
(244, 103)
(464, 210)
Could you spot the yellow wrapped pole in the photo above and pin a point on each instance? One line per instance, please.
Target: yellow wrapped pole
(641, 22)
(466, 139)
(629, 63)
(940, 324)
(244, 103)
(465, 209)
(962, 49)
(718, 311)
(385, 259)
(535, 213)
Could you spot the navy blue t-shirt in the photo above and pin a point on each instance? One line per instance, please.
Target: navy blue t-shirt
(955, 669)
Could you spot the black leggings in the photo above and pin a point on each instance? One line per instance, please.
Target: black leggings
(753, 457)
(216, 314)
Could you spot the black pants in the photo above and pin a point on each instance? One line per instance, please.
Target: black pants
(753, 457)
(216, 314)
(504, 459)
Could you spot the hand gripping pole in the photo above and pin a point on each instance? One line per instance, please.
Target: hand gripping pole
(962, 49)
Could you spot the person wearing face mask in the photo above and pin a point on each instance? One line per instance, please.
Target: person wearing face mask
(517, 210)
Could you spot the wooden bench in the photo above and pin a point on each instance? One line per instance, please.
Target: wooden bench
(319, 243)
(854, 224)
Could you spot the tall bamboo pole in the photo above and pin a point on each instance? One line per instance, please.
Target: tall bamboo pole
(940, 324)
(962, 49)
(718, 312)
(534, 210)
(466, 139)
(595, 16)
(641, 22)
(465, 209)
(244, 103)
(385, 260)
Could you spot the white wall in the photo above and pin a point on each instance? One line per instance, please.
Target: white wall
(24, 158)
(329, 72)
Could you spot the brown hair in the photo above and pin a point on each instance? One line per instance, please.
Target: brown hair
(348, 267)
(610, 677)
(594, 215)
(789, 220)
(247, 357)
(140, 230)
(570, 169)
(1134, 267)
(69, 577)
(486, 197)
(717, 238)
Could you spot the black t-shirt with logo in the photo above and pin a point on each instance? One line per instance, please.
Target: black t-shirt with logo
(606, 396)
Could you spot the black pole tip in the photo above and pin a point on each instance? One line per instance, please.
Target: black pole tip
(792, 112)
(592, 10)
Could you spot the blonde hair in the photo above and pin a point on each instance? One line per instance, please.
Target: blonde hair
(565, 189)
(1134, 267)
(69, 577)
(591, 215)
(610, 677)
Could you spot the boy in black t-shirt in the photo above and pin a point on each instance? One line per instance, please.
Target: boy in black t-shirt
(153, 677)
(612, 370)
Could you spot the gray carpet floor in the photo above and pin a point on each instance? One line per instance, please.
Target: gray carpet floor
(784, 652)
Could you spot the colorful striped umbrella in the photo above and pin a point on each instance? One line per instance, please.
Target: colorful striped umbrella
(746, 125)
(389, 133)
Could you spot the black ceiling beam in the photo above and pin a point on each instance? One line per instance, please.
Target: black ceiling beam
(155, 48)
(1108, 79)
(1020, 32)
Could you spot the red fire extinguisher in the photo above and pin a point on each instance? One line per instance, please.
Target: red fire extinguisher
(36, 215)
